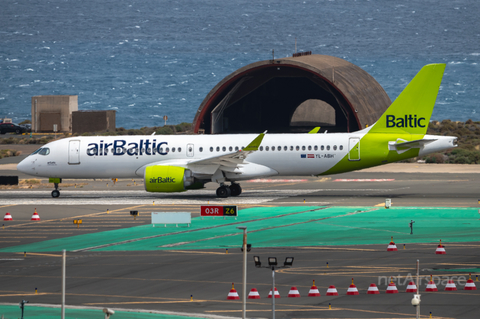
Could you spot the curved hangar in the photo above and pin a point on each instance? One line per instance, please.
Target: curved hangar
(293, 94)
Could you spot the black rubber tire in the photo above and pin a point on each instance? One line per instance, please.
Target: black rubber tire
(223, 192)
(55, 193)
(17, 131)
(235, 189)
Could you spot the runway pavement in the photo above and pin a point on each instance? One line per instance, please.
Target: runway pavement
(165, 280)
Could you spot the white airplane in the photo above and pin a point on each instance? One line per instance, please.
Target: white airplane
(178, 163)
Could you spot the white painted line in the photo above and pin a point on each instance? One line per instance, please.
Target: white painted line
(140, 197)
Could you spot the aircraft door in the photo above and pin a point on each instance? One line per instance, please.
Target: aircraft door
(354, 149)
(190, 150)
(74, 152)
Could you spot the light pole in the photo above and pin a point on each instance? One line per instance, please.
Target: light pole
(272, 262)
(244, 294)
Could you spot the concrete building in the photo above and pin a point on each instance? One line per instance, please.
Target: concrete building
(93, 121)
(293, 94)
(50, 110)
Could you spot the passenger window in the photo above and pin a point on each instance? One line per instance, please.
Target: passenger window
(273, 148)
(200, 149)
(334, 147)
(236, 148)
(315, 147)
(224, 148)
(218, 148)
(167, 150)
(161, 149)
(211, 149)
(303, 148)
(297, 148)
(179, 149)
(309, 147)
(279, 148)
(266, 148)
(285, 148)
(291, 148)
(261, 148)
(322, 147)
(341, 147)
(173, 149)
(328, 147)
(230, 149)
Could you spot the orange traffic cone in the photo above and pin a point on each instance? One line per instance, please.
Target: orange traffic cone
(373, 290)
(332, 291)
(431, 285)
(313, 292)
(7, 217)
(253, 294)
(277, 295)
(450, 286)
(293, 293)
(352, 290)
(392, 246)
(35, 215)
(233, 294)
(440, 249)
(411, 287)
(392, 289)
(470, 285)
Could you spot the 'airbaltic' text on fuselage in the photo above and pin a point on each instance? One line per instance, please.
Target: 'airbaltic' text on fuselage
(120, 147)
(407, 121)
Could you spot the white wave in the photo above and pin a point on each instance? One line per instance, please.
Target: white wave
(29, 70)
(453, 62)
(12, 60)
(46, 48)
(170, 85)
(131, 104)
(23, 85)
(475, 53)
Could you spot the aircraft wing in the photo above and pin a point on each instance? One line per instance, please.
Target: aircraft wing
(226, 162)
(402, 146)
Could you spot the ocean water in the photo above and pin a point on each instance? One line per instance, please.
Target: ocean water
(150, 58)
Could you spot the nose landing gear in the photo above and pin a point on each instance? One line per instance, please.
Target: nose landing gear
(55, 181)
(225, 191)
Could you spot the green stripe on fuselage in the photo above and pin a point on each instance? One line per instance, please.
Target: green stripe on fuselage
(374, 151)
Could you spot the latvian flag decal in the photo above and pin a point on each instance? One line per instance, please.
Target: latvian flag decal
(307, 156)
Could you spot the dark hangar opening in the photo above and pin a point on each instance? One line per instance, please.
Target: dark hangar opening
(292, 95)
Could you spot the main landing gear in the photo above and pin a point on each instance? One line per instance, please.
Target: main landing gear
(225, 191)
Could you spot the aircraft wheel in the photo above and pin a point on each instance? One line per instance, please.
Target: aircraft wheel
(223, 192)
(235, 189)
(55, 193)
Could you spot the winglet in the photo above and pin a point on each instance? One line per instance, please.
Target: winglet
(315, 130)
(253, 146)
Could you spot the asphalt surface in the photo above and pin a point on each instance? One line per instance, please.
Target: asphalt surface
(166, 280)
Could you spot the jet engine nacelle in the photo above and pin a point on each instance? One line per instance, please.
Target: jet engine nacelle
(160, 178)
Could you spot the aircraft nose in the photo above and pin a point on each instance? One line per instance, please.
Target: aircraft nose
(26, 166)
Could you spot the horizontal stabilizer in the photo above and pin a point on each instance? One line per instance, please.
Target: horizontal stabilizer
(402, 146)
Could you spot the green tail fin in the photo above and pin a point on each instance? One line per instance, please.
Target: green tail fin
(411, 111)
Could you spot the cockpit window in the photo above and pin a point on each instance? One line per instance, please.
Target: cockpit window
(36, 151)
(44, 151)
